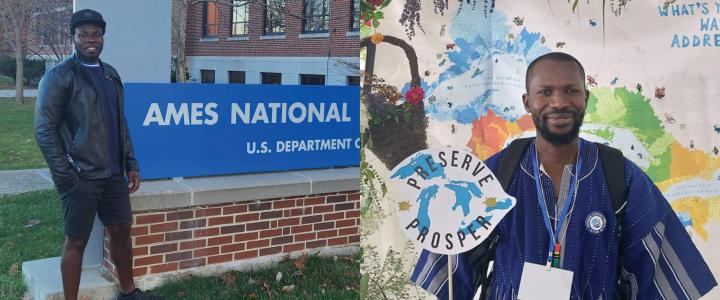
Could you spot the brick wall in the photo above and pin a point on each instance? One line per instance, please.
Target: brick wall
(338, 45)
(178, 239)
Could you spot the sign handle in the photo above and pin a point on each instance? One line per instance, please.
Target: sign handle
(450, 276)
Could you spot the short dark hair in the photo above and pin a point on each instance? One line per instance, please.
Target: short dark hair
(556, 56)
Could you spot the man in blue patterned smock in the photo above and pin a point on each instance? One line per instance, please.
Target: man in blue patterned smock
(569, 221)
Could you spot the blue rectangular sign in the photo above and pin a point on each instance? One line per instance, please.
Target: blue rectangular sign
(206, 129)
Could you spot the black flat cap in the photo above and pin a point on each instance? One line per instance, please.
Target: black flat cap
(86, 16)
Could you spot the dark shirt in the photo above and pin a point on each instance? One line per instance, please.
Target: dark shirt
(109, 104)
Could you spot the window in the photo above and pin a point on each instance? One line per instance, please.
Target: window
(274, 17)
(236, 76)
(309, 79)
(210, 19)
(316, 15)
(353, 80)
(271, 78)
(240, 17)
(355, 17)
(207, 76)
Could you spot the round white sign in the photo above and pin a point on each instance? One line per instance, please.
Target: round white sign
(447, 200)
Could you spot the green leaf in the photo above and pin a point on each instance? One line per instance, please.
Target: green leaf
(407, 116)
(378, 15)
(364, 6)
(375, 23)
(365, 31)
(385, 3)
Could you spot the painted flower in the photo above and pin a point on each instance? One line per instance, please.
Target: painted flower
(377, 38)
(375, 2)
(415, 95)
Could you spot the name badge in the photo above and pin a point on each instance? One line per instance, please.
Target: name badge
(539, 282)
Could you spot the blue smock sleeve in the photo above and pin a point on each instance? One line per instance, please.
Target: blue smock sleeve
(431, 272)
(658, 258)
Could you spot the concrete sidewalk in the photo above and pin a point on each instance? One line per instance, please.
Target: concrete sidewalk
(26, 93)
(15, 182)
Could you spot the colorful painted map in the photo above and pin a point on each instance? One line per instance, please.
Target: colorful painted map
(652, 95)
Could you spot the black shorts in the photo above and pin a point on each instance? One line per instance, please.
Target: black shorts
(108, 197)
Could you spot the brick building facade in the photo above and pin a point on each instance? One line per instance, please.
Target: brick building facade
(326, 53)
(274, 41)
(173, 240)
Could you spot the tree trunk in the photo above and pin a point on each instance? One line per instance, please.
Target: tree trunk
(19, 79)
(179, 34)
(17, 13)
(19, 70)
(181, 65)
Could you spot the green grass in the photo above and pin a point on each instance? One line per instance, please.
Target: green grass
(19, 244)
(18, 149)
(323, 278)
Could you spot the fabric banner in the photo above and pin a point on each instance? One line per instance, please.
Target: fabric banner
(652, 71)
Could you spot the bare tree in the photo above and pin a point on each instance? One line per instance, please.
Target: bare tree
(4, 49)
(14, 15)
(49, 34)
(179, 35)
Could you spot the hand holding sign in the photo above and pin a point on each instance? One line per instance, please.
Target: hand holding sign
(448, 201)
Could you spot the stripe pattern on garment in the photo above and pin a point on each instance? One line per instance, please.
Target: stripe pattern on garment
(433, 275)
(671, 277)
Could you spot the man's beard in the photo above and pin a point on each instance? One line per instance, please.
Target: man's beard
(559, 139)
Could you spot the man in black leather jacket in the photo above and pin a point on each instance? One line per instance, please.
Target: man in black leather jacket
(81, 130)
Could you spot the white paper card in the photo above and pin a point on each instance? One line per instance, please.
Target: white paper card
(447, 200)
(538, 282)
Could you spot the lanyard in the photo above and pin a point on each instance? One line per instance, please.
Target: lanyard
(554, 243)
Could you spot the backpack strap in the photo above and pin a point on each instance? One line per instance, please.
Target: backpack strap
(511, 160)
(614, 165)
(505, 174)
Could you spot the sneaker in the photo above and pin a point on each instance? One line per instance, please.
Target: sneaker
(138, 294)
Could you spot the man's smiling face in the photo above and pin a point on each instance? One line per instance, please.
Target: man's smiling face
(88, 41)
(556, 99)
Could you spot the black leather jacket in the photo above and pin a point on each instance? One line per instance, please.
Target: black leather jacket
(69, 125)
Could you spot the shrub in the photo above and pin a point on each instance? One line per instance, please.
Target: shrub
(34, 69)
